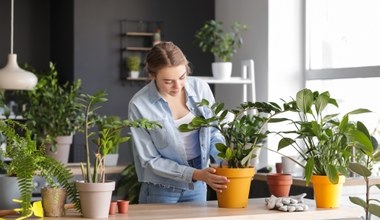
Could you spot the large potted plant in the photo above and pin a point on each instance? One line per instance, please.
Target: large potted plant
(94, 190)
(211, 38)
(52, 113)
(241, 140)
(27, 160)
(323, 140)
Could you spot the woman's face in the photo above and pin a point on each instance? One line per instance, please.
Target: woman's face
(171, 80)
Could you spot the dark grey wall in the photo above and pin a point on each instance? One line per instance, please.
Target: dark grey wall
(83, 38)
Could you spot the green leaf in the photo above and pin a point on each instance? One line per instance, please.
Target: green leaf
(284, 142)
(358, 201)
(365, 142)
(359, 169)
(359, 111)
(332, 173)
(304, 100)
(309, 170)
(321, 102)
(374, 209)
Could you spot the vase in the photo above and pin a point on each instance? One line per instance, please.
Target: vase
(279, 184)
(237, 192)
(222, 70)
(327, 194)
(53, 201)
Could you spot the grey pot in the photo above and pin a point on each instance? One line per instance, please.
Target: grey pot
(9, 190)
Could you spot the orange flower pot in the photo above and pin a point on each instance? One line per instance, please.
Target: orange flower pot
(326, 194)
(237, 192)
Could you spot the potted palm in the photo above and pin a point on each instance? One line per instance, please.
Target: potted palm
(211, 38)
(52, 113)
(241, 140)
(323, 141)
(27, 160)
(94, 190)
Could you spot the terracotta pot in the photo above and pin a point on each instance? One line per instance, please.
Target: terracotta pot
(279, 184)
(122, 206)
(278, 167)
(113, 208)
(53, 201)
(326, 194)
(237, 192)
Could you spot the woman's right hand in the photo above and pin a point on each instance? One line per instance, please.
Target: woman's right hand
(207, 175)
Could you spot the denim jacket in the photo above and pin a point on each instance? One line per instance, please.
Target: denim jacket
(159, 153)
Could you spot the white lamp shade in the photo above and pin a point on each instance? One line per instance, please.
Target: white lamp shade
(12, 77)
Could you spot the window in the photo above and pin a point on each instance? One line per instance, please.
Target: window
(343, 53)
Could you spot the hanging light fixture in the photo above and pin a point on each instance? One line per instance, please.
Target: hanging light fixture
(12, 77)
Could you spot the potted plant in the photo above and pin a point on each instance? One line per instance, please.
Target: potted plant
(133, 64)
(323, 141)
(211, 38)
(236, 152)
(366, 157)
(52, 113)
(94, 191)
(26, 161)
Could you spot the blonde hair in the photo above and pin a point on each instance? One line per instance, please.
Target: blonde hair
(165, 54)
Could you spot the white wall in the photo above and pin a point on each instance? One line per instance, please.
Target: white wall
(275, 42)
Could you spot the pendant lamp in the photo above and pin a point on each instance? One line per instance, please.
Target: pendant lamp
(12, 77)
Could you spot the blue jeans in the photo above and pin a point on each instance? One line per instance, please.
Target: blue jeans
(155, 193)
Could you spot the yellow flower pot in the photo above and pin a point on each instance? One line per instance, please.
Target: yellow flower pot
(326, 194)
(237, 192)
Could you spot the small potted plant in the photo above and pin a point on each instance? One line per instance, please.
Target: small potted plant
(211, 38)
(27, 160)
(52, 113)
(133, 64)
(94, 190)
(241, 139)
(323, 141)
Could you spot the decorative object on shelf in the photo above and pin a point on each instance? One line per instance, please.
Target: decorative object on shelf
(113, 208)
(94, 191)
(12, 76)
(236, 154)
(133, 65)
(53, 113)
(53, 201)
(279, 184)
(319, 135)
(211, 38)
(287, 204)
(122, 206)
(137, 37)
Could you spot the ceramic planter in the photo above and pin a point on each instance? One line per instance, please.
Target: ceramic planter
(53, 201)
(63, 149)
(279, 184)
(111, 160)
(222, 70)
(8, 190)
(237, 192)
(326, 194)
(95, 198)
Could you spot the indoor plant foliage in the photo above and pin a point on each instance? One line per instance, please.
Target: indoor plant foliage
(366, 156)
(106, 138)
(241, 138)
(27, 161)
(324, 141)
(211, 38)
(133, 63)
(52, 109)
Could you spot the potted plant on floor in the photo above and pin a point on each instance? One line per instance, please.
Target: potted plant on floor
(324, 142)
(366, 157)
(236, 152)
(26, 161)
(52, 113)
(95, 191)
(211, 38)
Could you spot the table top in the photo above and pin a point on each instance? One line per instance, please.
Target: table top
(256, 209)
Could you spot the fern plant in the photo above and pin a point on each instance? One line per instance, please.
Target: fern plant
(27, 161)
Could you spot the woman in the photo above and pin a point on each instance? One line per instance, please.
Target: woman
(173, 166)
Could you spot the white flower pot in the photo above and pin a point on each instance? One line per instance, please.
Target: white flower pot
(134, 74)
(222, 70)
(63, 149)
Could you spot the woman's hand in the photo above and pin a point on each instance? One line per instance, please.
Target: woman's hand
(207, 175)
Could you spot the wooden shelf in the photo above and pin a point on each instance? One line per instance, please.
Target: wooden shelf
(139, 78)
(138, 48)
(139, 34)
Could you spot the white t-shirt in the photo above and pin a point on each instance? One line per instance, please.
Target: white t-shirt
(190, 139)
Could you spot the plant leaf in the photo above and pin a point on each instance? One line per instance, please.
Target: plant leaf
(360, 169)
(358, 201)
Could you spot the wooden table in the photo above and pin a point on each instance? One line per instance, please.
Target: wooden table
(210, 210)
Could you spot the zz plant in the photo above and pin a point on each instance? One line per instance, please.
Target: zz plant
(241, 138)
